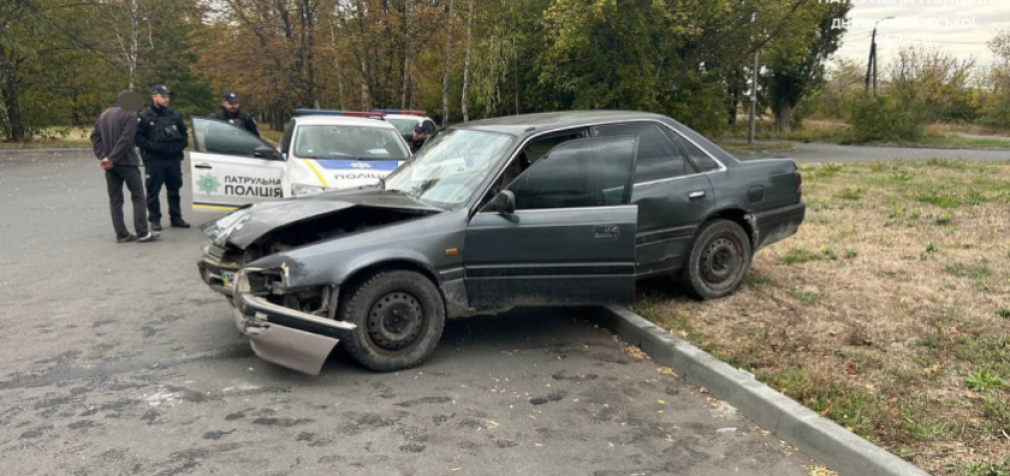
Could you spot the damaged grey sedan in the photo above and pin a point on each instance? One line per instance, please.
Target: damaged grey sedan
(550, 209)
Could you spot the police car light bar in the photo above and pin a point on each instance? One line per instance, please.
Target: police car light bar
(401, 111)
(326, 112)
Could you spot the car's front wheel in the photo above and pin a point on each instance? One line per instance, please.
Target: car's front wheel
(400, 316)
(719, 260)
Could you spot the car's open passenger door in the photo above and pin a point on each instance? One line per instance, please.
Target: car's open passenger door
(231, 167)
(562, 233)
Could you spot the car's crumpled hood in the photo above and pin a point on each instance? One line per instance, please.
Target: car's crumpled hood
(248, 224)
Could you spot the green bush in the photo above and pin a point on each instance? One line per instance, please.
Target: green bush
(885, 119)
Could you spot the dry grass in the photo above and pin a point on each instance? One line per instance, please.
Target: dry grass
(952, 129)
(889, 312)
(55, 138)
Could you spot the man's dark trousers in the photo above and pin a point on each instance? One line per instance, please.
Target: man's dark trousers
(167, 172)
(131, 176)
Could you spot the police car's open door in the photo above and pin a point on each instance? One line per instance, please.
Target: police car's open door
(231, 167)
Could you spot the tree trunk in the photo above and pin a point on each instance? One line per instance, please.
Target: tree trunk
(9, 87)
(466, 64)
(406, 54)
(734, 95)
(783, 118)
(515, 79)
(448, 64)
(307, 12)
(336, 65)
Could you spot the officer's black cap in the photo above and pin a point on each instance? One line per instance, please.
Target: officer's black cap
(230, 98)
(419, 128)
(161, 89)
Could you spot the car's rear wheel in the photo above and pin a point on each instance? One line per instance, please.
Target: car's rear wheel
(400, 315)
(719, 260)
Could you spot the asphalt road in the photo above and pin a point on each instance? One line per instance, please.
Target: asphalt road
(818, 152)
(116, 359)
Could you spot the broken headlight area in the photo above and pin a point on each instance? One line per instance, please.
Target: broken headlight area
(272, 285)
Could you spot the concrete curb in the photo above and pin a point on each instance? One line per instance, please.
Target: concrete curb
(818, 437)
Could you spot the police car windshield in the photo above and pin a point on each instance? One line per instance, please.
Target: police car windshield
(405, 126)
(349, 142)
(448, 171)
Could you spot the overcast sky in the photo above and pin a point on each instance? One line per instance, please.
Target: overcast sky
(971, 24)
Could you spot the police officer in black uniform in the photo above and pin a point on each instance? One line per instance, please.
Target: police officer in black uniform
(229, 113)
(162, 137)
(418, 138)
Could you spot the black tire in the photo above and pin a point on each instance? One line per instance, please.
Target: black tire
(400, 316)
(719, 260)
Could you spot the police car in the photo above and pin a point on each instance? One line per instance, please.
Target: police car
(405, 120)
(320, 150)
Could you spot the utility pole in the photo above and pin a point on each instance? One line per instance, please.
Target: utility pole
(871, 65)
(753, 99)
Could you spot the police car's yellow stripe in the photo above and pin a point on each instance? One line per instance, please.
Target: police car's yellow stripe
(213, 207)
(316, 171)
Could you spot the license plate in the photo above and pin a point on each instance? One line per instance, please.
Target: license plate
(227, 277)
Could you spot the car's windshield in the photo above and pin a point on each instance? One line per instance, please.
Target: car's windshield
(447, 172)
(405, 126)
(349, 142)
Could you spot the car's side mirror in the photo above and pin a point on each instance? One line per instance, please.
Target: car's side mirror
(266, 152)
(504, 202)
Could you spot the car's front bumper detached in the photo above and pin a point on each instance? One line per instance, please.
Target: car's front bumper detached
(285, 336)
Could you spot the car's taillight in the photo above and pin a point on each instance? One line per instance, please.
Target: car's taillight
(799, 183)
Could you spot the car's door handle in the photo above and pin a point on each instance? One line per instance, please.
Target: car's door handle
(203, 166)
(697, 195)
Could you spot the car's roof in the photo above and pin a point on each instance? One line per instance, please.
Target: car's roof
(526, 125)
(531, 122)
(322, 120)
(407, 116)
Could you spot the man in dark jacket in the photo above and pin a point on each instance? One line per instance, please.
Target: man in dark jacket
(113, 144)
(418, 138)
(162, 138)
(229, 113)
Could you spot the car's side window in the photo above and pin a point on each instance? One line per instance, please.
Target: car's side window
(429, 127)
(530, 153)
(216, 137)
(658, 157)
(698, 157)
(580, 173)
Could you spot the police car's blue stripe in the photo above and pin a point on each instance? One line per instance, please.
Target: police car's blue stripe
(362, 165)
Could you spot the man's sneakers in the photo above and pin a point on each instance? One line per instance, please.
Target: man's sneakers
(126, 239)
(149, 237)
(179, 223)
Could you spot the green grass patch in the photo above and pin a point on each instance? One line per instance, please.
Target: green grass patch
(979, 270)
(900, 177)
(984, 380)
(800, 255)
(948, 164)
(849, 406)
(854, 194)
(940, 199)
(827, 170)
(995, 410)
(807, 297)
(986, 469)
